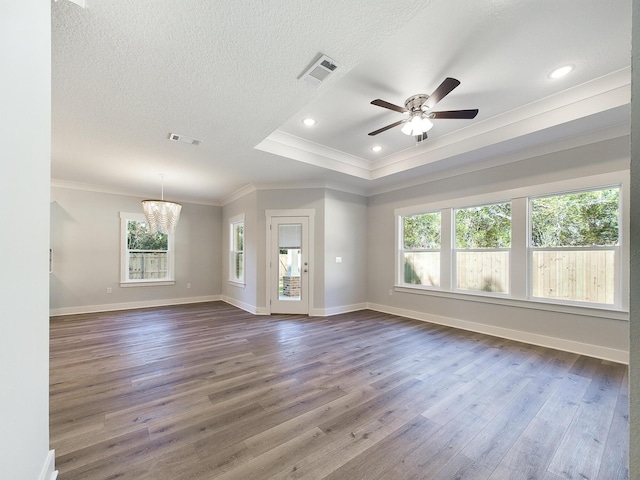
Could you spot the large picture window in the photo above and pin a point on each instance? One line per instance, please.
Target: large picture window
(543, 245)
(421, 249)
(146, 258)
(574, 245)
(482, 243)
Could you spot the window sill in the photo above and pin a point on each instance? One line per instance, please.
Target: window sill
(147, 283)
(237, 284)
(592, 311)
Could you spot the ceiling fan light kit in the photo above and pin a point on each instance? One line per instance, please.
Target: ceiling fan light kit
(419, 109)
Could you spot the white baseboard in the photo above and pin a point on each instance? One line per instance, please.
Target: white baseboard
(109, 307)
(242, 305)
(327, 312)
(49, 471)
(596, 351)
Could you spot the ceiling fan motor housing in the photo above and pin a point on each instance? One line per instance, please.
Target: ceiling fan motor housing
(415, 102)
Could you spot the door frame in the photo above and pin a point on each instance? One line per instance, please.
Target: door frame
(310, 214)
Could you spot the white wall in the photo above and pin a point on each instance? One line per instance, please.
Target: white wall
(585, 333)
(634, 362)
(85, 239)
(25, 97)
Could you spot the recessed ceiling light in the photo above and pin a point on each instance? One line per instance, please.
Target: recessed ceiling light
(561, 72)
(376, 148)
(309, 122)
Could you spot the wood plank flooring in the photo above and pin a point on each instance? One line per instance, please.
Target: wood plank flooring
(207, 391)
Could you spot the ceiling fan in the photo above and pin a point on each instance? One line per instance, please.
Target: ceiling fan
(419, 109)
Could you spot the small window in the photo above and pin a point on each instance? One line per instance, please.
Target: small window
(236, 250)
(482, 247)
(574, 246)
(420, 249)
(146, 258)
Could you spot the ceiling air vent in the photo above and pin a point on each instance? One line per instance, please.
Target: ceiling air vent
(181, 138)
(320, 70)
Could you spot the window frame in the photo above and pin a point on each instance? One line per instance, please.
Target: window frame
(455, 250)
(616, 249)
(234, 222)
(402, 250)
(520, 285)
(125, 281)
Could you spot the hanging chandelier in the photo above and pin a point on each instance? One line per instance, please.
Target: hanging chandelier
(161, 215)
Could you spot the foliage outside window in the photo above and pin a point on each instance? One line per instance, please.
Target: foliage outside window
(574, 245)
(146, 257)
(236, 242)
(482, 241)
(421, 249)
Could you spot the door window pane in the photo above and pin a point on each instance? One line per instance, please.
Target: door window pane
(289, 278)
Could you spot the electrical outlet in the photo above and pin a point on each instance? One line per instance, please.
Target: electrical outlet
(109, 290)
(188, 285)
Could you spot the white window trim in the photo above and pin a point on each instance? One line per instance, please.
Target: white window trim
(124, 258)
(454, 253)
(401, 251)
(619, 285)
(519, 257)
(232, 222)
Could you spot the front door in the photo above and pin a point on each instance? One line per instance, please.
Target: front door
(289, 265)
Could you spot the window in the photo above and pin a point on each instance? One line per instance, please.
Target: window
(557, 243)
(420, 249)
(574, 246)
(482, 243)
(146, 259)
(236, 249)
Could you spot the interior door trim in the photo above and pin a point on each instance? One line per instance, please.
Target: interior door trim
(269, 214)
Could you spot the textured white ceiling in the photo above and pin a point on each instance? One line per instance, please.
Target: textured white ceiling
(127, 73)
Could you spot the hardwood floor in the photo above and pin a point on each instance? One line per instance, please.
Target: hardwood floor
(208, 391)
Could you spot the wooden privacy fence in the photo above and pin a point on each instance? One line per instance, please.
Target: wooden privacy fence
(147, 265)
(574, 275)
(486, 271)
(582, 275)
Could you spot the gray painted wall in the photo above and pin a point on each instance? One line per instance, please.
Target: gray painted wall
(340, 221)
(608, 156)
(85, 238)
(25, 96)
(345, 284)
(245, 297)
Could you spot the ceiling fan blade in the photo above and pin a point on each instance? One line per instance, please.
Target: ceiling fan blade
(384, 129)
(442, 91)
(390, 106)
(465, 114)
